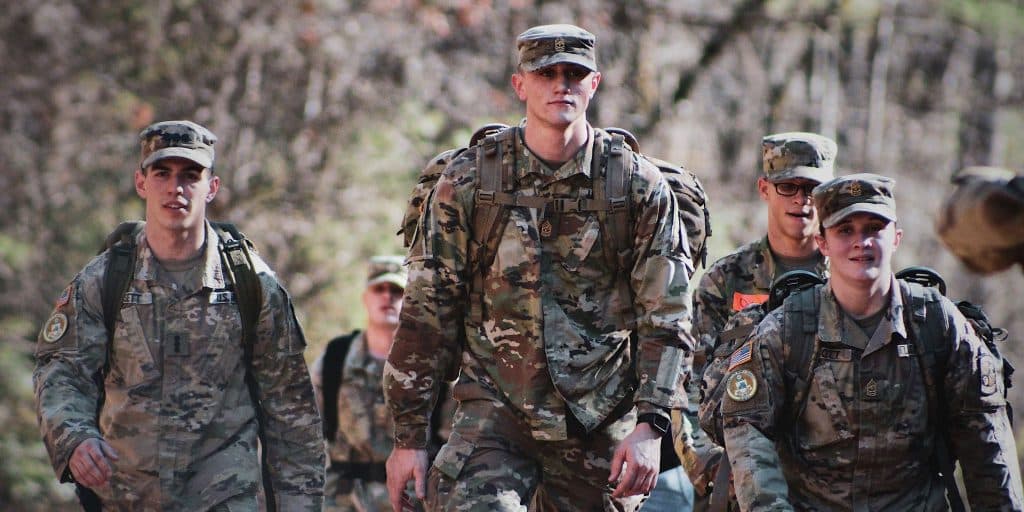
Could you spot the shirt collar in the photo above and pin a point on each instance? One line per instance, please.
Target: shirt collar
(830, 317)
(212, 273)
(580, 163)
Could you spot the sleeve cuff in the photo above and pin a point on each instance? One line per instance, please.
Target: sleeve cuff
(649, 408)
(411, 436)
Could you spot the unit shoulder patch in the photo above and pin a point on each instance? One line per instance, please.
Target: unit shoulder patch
(55, 328)
(741, 386)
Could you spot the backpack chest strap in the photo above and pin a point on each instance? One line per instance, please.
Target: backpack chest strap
(559, 205)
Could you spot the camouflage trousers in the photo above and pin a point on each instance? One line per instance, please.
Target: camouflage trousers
(492, 463)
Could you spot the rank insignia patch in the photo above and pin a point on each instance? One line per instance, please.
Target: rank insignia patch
(55, 327)
(741, 386)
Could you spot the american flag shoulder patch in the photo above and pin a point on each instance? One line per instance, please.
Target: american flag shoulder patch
(741, 355)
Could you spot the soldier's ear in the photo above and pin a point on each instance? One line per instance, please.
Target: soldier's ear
(517, 85)
(822, 244)
(140, 183)
(214, 187)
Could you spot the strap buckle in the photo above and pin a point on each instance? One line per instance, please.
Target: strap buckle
(618, 204)
(485, 196)
(563, 205)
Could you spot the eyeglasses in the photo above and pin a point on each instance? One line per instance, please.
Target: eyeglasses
(789, 189)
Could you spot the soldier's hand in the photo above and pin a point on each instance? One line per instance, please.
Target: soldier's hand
(89, 464)
(403, 465)
(640, 452)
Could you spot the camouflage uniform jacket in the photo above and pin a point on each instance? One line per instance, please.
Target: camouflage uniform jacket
(177, 409)
(555, 335)
(864, 438)
(731, 284)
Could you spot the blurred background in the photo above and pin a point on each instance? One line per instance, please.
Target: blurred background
(326, 111)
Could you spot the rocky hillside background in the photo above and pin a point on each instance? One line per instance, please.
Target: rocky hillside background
(326, 110)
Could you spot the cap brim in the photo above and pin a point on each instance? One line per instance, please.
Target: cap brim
(880, 210)
(559, 58)
(395, 279)
(819, 174)
(195, 155)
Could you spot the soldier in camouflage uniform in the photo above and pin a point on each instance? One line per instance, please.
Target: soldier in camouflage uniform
(177, 429)
(793, 163)
(982, 222)
(550, 389)
(362, 440)
(860, 432)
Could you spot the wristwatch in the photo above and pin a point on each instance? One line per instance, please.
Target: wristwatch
(660, 424)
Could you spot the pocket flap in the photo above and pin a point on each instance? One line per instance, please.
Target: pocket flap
(453, 455)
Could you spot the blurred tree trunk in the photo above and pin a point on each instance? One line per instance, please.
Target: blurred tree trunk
(977, 120)
(879, 80)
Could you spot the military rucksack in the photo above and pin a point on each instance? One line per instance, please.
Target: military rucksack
(239, 272)
(616, 156)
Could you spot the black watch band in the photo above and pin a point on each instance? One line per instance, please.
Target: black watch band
(658, 423)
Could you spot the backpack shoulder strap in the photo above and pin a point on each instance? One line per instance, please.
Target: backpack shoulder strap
(118, 274)
(800, 330)
(236, 258)
(495, 163)
(237, 265)
(332, 372)
(928, 327)
(613, 164)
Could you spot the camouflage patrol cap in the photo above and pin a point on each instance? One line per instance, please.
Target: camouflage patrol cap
(862, 192)
(793, 155)
(982, 222)
(387, 269)
(545, 45)
(183, 139)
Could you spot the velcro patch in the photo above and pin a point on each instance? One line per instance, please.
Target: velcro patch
(55, 328)
(741, 386)
(742, 300)
(64, 297)
(741, 355)
(989, 375)
(836, 354)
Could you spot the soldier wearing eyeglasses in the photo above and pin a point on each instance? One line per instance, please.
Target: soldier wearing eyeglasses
(792, 165)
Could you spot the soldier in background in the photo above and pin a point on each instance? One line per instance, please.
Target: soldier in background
(982, 221)
(178, 427)
(554, 401)
(846, 396)
(347, 380)
(793, 164)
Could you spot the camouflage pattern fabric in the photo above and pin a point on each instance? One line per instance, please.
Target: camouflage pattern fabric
(364, 429)
(982, 221)
(177, 408)
(491, 462)
(864, 441)
(554, 343)
(733, 283)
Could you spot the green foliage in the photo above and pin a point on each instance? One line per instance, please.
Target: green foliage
(25, 476)
(998, 16)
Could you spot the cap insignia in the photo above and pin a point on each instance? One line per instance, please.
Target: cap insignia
(560, 44)
(855, 189)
